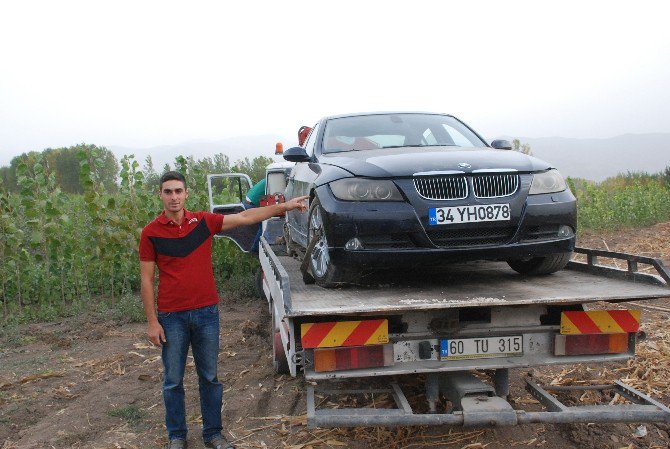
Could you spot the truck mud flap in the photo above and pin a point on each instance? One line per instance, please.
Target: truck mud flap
(476, 405)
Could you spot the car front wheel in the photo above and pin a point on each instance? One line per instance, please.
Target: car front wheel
(325, 273)
(541, 265)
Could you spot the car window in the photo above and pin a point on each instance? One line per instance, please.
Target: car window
(276, 182)
(429, 138)
(458, 138)
(309, 144)
(388, 140)
(367, 132)
(345, 143)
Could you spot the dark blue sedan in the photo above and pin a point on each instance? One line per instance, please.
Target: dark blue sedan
(399, 189)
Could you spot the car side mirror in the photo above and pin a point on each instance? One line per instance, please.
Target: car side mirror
(501, 144)
(296, 154)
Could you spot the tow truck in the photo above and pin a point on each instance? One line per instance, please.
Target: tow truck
(457, 329)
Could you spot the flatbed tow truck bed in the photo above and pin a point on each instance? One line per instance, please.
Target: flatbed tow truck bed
(473, 284)
(504, 305)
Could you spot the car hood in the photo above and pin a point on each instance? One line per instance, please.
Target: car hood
(407, 161)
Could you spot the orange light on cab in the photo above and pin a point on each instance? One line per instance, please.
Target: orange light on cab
(279, 148)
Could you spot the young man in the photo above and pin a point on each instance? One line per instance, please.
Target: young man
(179, 243)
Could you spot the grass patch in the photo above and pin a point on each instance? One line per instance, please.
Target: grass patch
(12, 336)
(15, 332)
(126, 309)
(132, 414)
(240, 286)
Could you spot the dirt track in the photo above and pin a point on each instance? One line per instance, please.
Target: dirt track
(84, 383)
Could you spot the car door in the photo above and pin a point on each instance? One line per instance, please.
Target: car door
(226, 196)
(300, 183)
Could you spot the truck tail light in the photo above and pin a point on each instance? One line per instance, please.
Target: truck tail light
(584, 344)
(353, 357)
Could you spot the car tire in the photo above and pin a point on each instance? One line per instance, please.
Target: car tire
(279, 360)
(541, 265)
(323, 270)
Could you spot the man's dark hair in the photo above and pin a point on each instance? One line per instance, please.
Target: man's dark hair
(172, 176)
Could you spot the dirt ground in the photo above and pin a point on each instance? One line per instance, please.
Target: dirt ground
(86, 383)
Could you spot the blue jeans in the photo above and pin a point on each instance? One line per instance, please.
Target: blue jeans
(198, 328)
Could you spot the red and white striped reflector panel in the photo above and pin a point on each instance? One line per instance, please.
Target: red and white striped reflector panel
(600, 322)
(344, 333)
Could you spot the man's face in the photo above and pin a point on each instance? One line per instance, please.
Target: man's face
(173, 194)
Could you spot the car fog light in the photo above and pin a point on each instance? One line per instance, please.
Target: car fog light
(353, 244)
(565, 231)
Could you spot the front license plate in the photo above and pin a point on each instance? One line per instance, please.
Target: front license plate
(468, 214)
(481, 348)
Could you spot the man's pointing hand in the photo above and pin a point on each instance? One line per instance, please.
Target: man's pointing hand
(299, 203)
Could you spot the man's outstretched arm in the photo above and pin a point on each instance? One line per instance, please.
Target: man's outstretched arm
(258, 214)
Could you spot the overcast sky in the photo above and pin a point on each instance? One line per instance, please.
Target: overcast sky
(145, 73)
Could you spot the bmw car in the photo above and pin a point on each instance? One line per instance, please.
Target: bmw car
(406, 189)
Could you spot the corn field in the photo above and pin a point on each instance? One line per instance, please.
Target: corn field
(58, 249)
(624, 201)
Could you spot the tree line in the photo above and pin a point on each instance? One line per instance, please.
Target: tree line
(63, 164)
(62, 245)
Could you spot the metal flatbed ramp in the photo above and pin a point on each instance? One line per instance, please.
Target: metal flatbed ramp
(472, 284)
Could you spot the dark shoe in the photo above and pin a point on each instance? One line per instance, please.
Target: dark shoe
(219, 443)
(177, 444)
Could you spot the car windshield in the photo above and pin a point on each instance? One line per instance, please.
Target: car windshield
(369, 132)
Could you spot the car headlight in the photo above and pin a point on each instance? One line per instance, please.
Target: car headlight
(548, 182)
(359, 189)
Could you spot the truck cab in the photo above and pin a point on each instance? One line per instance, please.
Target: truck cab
(227, 192)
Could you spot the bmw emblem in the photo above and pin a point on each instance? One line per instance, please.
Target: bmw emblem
(464, 165)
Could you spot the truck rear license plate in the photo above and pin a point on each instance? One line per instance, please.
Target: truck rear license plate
(481, 348)
(468, 214)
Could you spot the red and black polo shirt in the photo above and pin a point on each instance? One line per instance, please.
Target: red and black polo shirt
(183, 254)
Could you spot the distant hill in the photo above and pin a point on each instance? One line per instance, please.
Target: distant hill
(594, 159)
(235, 148)
(597, 159)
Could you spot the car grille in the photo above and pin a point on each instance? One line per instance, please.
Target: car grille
(456, 187)
(493, 186)
(448, 238)
(441, 187)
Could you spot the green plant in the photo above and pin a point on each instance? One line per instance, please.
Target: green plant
(132, 414)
